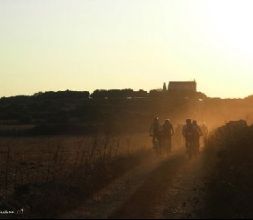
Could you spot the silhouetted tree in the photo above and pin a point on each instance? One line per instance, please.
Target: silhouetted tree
(164, 87)
(140, 94)
(154, 93)
(99, 94)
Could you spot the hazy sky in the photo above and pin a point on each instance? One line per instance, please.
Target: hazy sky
(89, 44)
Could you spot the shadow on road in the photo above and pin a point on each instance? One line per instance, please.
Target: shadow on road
(147, 200)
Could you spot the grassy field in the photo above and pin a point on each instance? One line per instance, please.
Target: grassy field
(36, 173)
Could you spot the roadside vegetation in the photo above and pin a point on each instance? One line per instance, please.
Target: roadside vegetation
(229, 163)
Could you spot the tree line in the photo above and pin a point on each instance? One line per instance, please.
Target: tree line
(111, 110)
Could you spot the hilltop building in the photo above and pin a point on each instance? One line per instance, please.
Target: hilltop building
(189, 86)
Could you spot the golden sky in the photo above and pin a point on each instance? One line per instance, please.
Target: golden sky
(139, 44)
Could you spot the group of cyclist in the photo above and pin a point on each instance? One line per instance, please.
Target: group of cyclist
(191, 132)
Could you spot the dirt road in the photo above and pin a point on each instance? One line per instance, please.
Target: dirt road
(159, 188)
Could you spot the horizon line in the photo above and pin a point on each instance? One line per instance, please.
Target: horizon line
(135, 90)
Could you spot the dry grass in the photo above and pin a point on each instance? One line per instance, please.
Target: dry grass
(42, 171)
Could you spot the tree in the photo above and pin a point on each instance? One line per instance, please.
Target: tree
(99, 94)
(164, 87)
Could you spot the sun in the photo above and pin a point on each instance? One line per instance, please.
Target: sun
(229, 22)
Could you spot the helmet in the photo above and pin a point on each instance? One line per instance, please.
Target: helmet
(167, 120)
(188, 121)
(156, 118)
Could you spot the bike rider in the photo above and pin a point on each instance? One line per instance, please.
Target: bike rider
(196, 137)
(188, 133)
(155, 132)
(167, 133)
(205, 132)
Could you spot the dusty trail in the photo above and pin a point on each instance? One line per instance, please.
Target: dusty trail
(147, 200)
(171, 191)
(165, 188)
